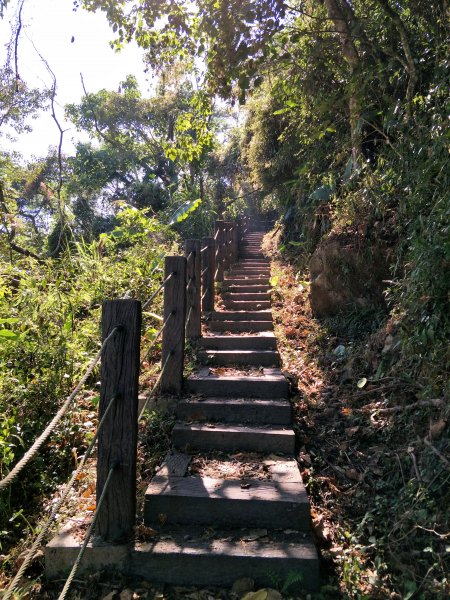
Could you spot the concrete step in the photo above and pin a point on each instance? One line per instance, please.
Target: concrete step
(245, 289)
(271, 384)
(240, 326)
(262, 358)
(256, 305)
(245, 296)
(260, 271)
(236, 315)
(235, 410)
(229, 437)
(226, 503)
(233, 281)
(184, 555)
(261, 341)
(261, 279)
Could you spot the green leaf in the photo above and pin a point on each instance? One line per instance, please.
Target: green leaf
(274, 280)
(184, 211)
(9, 320)
(8, 334)
(322, 193)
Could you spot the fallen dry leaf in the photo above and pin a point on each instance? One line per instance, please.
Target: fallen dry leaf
(437, 428)
(353, 474)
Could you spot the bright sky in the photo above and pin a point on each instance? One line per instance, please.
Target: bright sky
(50, 25)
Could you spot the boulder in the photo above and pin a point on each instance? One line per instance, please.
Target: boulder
(345, 276)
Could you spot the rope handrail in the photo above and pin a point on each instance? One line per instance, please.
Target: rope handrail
(188, 316)
(56, 507)
(34, 449)
(88, 535)
(190, 282)
(156, 292)
(204, 294)
(150, 394)
(190, 255)
(204, 271)
(204, 249)
(217, 234)
(157, 336)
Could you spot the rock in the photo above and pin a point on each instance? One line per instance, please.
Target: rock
(242, 586)
(111, 596)
(339, 350)
(264, 594)
(127, 595)
(273, 595)
(388, 344)
(344, 275)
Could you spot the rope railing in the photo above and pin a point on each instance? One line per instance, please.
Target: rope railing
(189, 283)
(152, 391)
(189, 288)
(156, 292)
(188, 316)
(156, 338)
(88, 535)
(34, 449)
(56, 507)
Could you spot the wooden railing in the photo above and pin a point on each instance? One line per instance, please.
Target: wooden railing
(189, 288)
(189, 291)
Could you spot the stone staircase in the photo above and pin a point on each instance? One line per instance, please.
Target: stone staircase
(213, 530)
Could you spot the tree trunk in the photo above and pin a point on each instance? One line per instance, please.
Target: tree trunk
(410, 64)
(351, 56)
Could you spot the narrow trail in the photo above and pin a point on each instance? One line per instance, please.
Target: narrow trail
(229, 501)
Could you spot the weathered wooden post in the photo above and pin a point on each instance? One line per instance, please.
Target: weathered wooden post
(227, 243)
(219, 237)
(172, 356)
(235, 243)
(193, 289)
(208, 252)
(117, 440)
(240, 228)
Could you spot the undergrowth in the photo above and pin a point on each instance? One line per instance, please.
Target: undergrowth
(51, 315)
(372, 447)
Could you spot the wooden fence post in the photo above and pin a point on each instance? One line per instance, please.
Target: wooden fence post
(117, 441)
(193, 289)
(240, 228)
(208, 269)
(172, 358)
(219, 253)
(227, 240)
(235, 242)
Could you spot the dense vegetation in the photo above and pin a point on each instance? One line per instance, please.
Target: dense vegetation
(343, 138)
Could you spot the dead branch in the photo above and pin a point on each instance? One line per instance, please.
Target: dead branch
(438, 453)
(435, 402)
(25, 252)
(414, 461)
(16, 45)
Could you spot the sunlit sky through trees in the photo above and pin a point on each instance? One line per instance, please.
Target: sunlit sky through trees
(50, 25)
